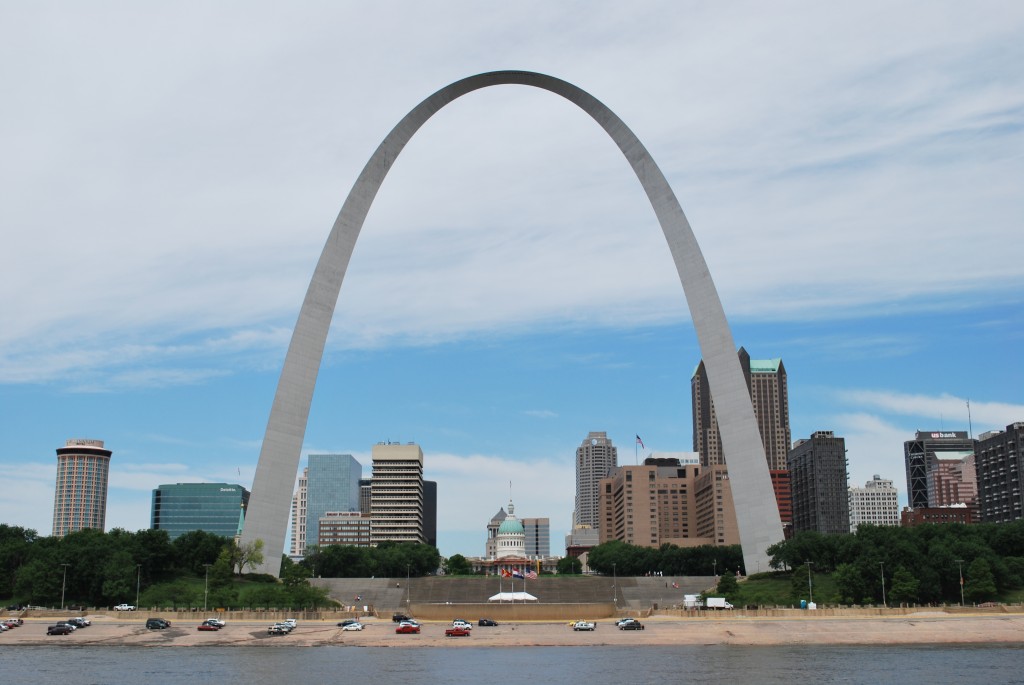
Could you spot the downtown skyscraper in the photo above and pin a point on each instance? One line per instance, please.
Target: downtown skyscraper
(595, 458)
(80, 498)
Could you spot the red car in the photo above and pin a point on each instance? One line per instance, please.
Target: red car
(407, 628)
(456, 632)
(207, 626)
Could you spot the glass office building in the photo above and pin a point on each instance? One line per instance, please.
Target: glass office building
(217, 508)
(332, 485)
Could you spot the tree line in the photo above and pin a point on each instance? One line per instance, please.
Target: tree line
(918, 565)
(615, 557)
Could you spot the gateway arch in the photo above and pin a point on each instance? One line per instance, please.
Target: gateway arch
(757, 513)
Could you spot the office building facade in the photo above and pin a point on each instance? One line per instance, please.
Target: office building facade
(595, 459)
(931, 452)
(332, 484)
(538, 537)
(297, 547)
(817, 471)
(80, 497)
(663, 501)
(396, 493)
(1000, 472)
(769, 394)
(216, 508)
(877, 503)
(351, 528)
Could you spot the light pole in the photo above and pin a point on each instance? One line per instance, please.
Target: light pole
(615, 585)
(810, 584)
(882, 565)
(408, 591)
(206, 586)
(138, 583)
(714, 567)
(960, 565)
(63, 585)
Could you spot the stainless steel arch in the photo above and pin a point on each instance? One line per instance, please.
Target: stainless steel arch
(757, 514)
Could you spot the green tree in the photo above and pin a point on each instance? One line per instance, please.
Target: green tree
(570, 565)
(849, 584)
(250, 554)
(457, 565)
(904, 588)
(979, 584)
(801, 582)
(728, 587)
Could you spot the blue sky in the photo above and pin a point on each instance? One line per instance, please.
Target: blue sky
(170, 174)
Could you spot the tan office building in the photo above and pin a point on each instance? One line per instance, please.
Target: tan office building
(396, 493)
(664, 502)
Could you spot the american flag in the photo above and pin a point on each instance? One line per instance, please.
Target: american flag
(532, 575)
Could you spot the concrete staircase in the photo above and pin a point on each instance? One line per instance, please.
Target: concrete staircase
(385, 595)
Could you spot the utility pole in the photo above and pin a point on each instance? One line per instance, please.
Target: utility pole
(810, 583)
(882, 565)
(63, 585)
(138, 583)
(615, 586)
(408, 592)
(206, 586)
(960, 565)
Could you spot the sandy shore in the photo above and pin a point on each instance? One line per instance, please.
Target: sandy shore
(802, 628)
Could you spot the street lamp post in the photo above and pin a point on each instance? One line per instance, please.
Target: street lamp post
(882, 565)
(138, 583)
(960, 566)
(810, 584)
(206, 586)
(63, 585)
(615, 586)
(714, 566)
(408, 591)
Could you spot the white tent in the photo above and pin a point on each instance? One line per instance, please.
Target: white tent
(513, 597)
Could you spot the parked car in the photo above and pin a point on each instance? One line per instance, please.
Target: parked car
(215, 622)
(583, 625)
(291, 622)
(77, 622)
(68, 624)
(632, 625)
(208, 626)
(60, 629)
(125, 607)
(459, 623)
(353, 626)
(486, 622)
(398, 618)
(84, 621)
(277, 629)
(157, 623)
(456, 632)
(347, 622)
(406, 627)
(286, 627)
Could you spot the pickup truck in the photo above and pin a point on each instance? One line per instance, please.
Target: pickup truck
(125, 607)
(456, 632)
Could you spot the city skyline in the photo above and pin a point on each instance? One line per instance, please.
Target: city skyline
(852, 186)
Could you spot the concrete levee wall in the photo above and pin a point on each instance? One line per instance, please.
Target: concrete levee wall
(506, 612)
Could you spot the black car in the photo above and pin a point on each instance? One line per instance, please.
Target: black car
(631, 625)
(157, 624)
(398, 618)
(347, 622)
(486, 622)
(59, 629)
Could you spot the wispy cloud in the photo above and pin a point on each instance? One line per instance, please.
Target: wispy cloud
(936, 408)
(541, 413)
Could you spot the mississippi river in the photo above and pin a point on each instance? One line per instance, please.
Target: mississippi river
(785, 665)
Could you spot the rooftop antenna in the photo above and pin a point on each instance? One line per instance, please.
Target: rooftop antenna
(970, 426)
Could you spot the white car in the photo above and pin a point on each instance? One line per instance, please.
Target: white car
(125, 607)
(353, 626)
(291, 622)
(462, 624)
(583, 625)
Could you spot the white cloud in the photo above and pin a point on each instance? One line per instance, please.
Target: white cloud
(985, 415)
(844, 148)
